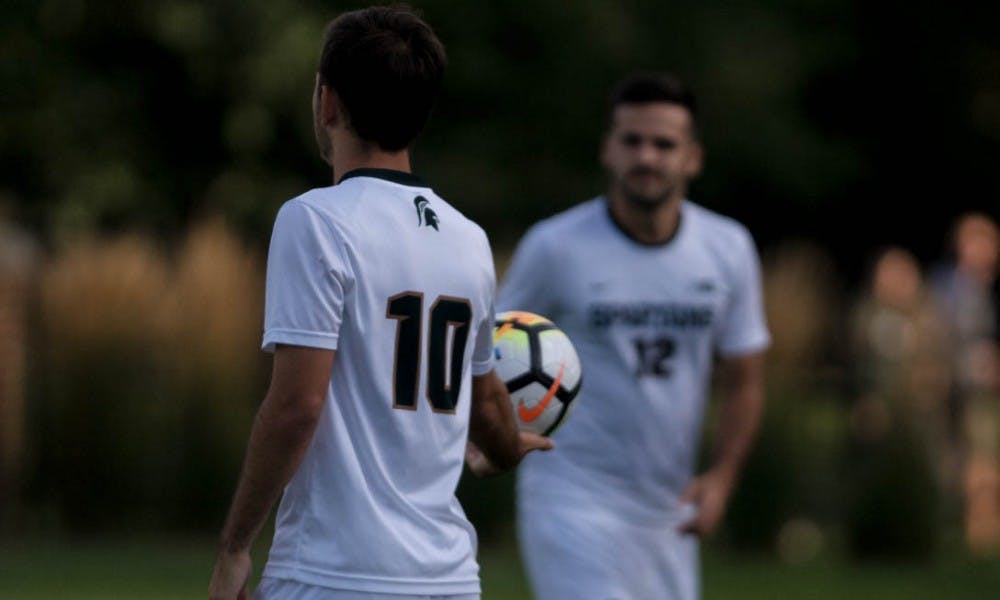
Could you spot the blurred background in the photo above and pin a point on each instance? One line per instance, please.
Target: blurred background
(145, 148)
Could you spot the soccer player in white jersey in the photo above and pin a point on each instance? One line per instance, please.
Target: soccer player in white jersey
(379, 312)
(651, 288)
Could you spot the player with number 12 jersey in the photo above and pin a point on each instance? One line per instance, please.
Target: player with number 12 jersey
(651, 288)
(646, 344)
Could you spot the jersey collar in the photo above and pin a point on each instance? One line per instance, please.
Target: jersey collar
(400, 177)
(625, 232)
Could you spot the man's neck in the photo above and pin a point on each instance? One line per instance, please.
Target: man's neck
(647, 224)
(983, 275)
(351, 154)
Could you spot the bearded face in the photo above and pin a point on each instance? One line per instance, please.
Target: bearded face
(651, 152)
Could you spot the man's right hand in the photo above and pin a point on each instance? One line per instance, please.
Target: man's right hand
(231, 577)
(527, 442)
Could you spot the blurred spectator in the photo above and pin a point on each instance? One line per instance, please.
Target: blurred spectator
(897, 341)
(966, 291)
(898, 421)
(17, 259)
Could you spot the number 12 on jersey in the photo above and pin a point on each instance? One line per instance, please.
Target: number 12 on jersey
(653, 355)
(449, 315)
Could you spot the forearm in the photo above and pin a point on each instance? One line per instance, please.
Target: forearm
(740, 416)
(738, 424)
(278, 442)
(492, 426)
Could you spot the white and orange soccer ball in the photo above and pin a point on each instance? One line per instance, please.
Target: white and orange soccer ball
(538, 363)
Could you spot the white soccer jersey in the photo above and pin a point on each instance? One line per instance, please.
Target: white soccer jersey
(397, 281)
(646, 321)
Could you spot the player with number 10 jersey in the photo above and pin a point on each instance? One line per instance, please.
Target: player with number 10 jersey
(379, 312)
(382, 268)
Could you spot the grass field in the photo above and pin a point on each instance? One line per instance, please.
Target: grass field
(149, 570)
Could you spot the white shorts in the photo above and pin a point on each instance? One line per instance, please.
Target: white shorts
(271, 588)
(572, 553)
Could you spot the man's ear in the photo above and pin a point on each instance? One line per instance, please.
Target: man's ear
(330, 112)
(696, 160)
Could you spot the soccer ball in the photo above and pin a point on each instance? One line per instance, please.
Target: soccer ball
(540, 367)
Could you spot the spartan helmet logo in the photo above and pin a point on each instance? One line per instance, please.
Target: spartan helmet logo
(425, 216)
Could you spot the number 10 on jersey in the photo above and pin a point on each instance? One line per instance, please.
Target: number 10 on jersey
(448, 315)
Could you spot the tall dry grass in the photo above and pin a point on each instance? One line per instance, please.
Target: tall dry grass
(787, 477)
(147, 377)
(804, 308)
(213, 306)
(98, 294)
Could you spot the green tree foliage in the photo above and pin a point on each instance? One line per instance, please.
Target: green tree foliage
(150, 113)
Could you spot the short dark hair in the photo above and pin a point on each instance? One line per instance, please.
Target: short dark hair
(387, 67)
(646, 87)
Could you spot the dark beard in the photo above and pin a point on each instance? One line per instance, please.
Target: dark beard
(640, 200)
(645, 202)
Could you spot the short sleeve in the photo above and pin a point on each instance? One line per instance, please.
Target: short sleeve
(306, 281)
(482, 353)
(527, 284)
(744, 326)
